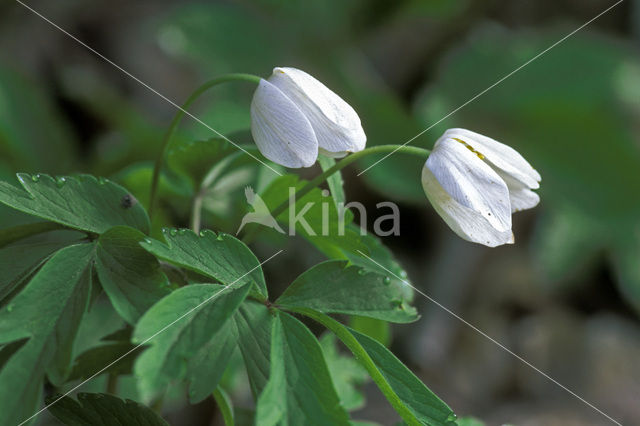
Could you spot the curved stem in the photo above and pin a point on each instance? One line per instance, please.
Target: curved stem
(412, 150)
(224, 404)
(176, 121)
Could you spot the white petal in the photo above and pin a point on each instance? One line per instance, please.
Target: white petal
(521, 197)
(468, 224)
(335, 123)
(471, 182)
(281, 131)
(502, 156)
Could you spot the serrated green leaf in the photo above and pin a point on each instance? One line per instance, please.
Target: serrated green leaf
(334, 287)
(99, 409)
(253, 323)
(179, 326)
(299, 390)
(81, 202)
(130, 276)
(221, 256)
(347, 374)
(381, 260)
(47, 313)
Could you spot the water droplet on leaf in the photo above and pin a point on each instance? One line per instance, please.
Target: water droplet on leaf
(220, 237)
(173, 232)
(35, 178)
(386, 281)
(60, 182)
(361, 271)
(9, 308)
(102, 180)
(202, 233)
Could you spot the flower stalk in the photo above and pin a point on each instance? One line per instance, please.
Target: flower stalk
(177, 118)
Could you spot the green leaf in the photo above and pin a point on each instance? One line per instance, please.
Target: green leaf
(81, 202)
(194, 158)
(33, 131)
(47, 313)
(374, 328)
(15, 233)
(130, 276)
(334, 287)
(100, 409)
(335, 182)
(253, 323)
(347, 374)
(423, 403)
(381, 260)
(179, 326)
(95, 359)
(415, 403)
(299, 390)
(207, 366)
(221, 256)
(470, 421)
(19, 260)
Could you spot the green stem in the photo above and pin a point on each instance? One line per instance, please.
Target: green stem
(363, 357)
(112, 384)
(224, 405)
(412, 150)
(208, 180)
(176, 121)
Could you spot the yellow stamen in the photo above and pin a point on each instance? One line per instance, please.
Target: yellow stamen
(470, 148)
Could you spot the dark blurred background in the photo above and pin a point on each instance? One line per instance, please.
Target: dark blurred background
(566, 296)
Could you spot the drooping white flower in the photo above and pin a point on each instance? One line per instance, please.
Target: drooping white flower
(475, 183)
(294, 116)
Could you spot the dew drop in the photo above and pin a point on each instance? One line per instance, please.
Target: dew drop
(173, 232)
(60, 182)
(386, 281)
(102, 180)
(35, 178)
(220, 237)
(147, 240)
(403, 274)
(451, 418)
(182, 232)
(9, 308)
(325, 193)
(202, 233)
(361, 271)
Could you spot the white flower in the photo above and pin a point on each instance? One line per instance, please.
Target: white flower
(475, 183)
(294, 116)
